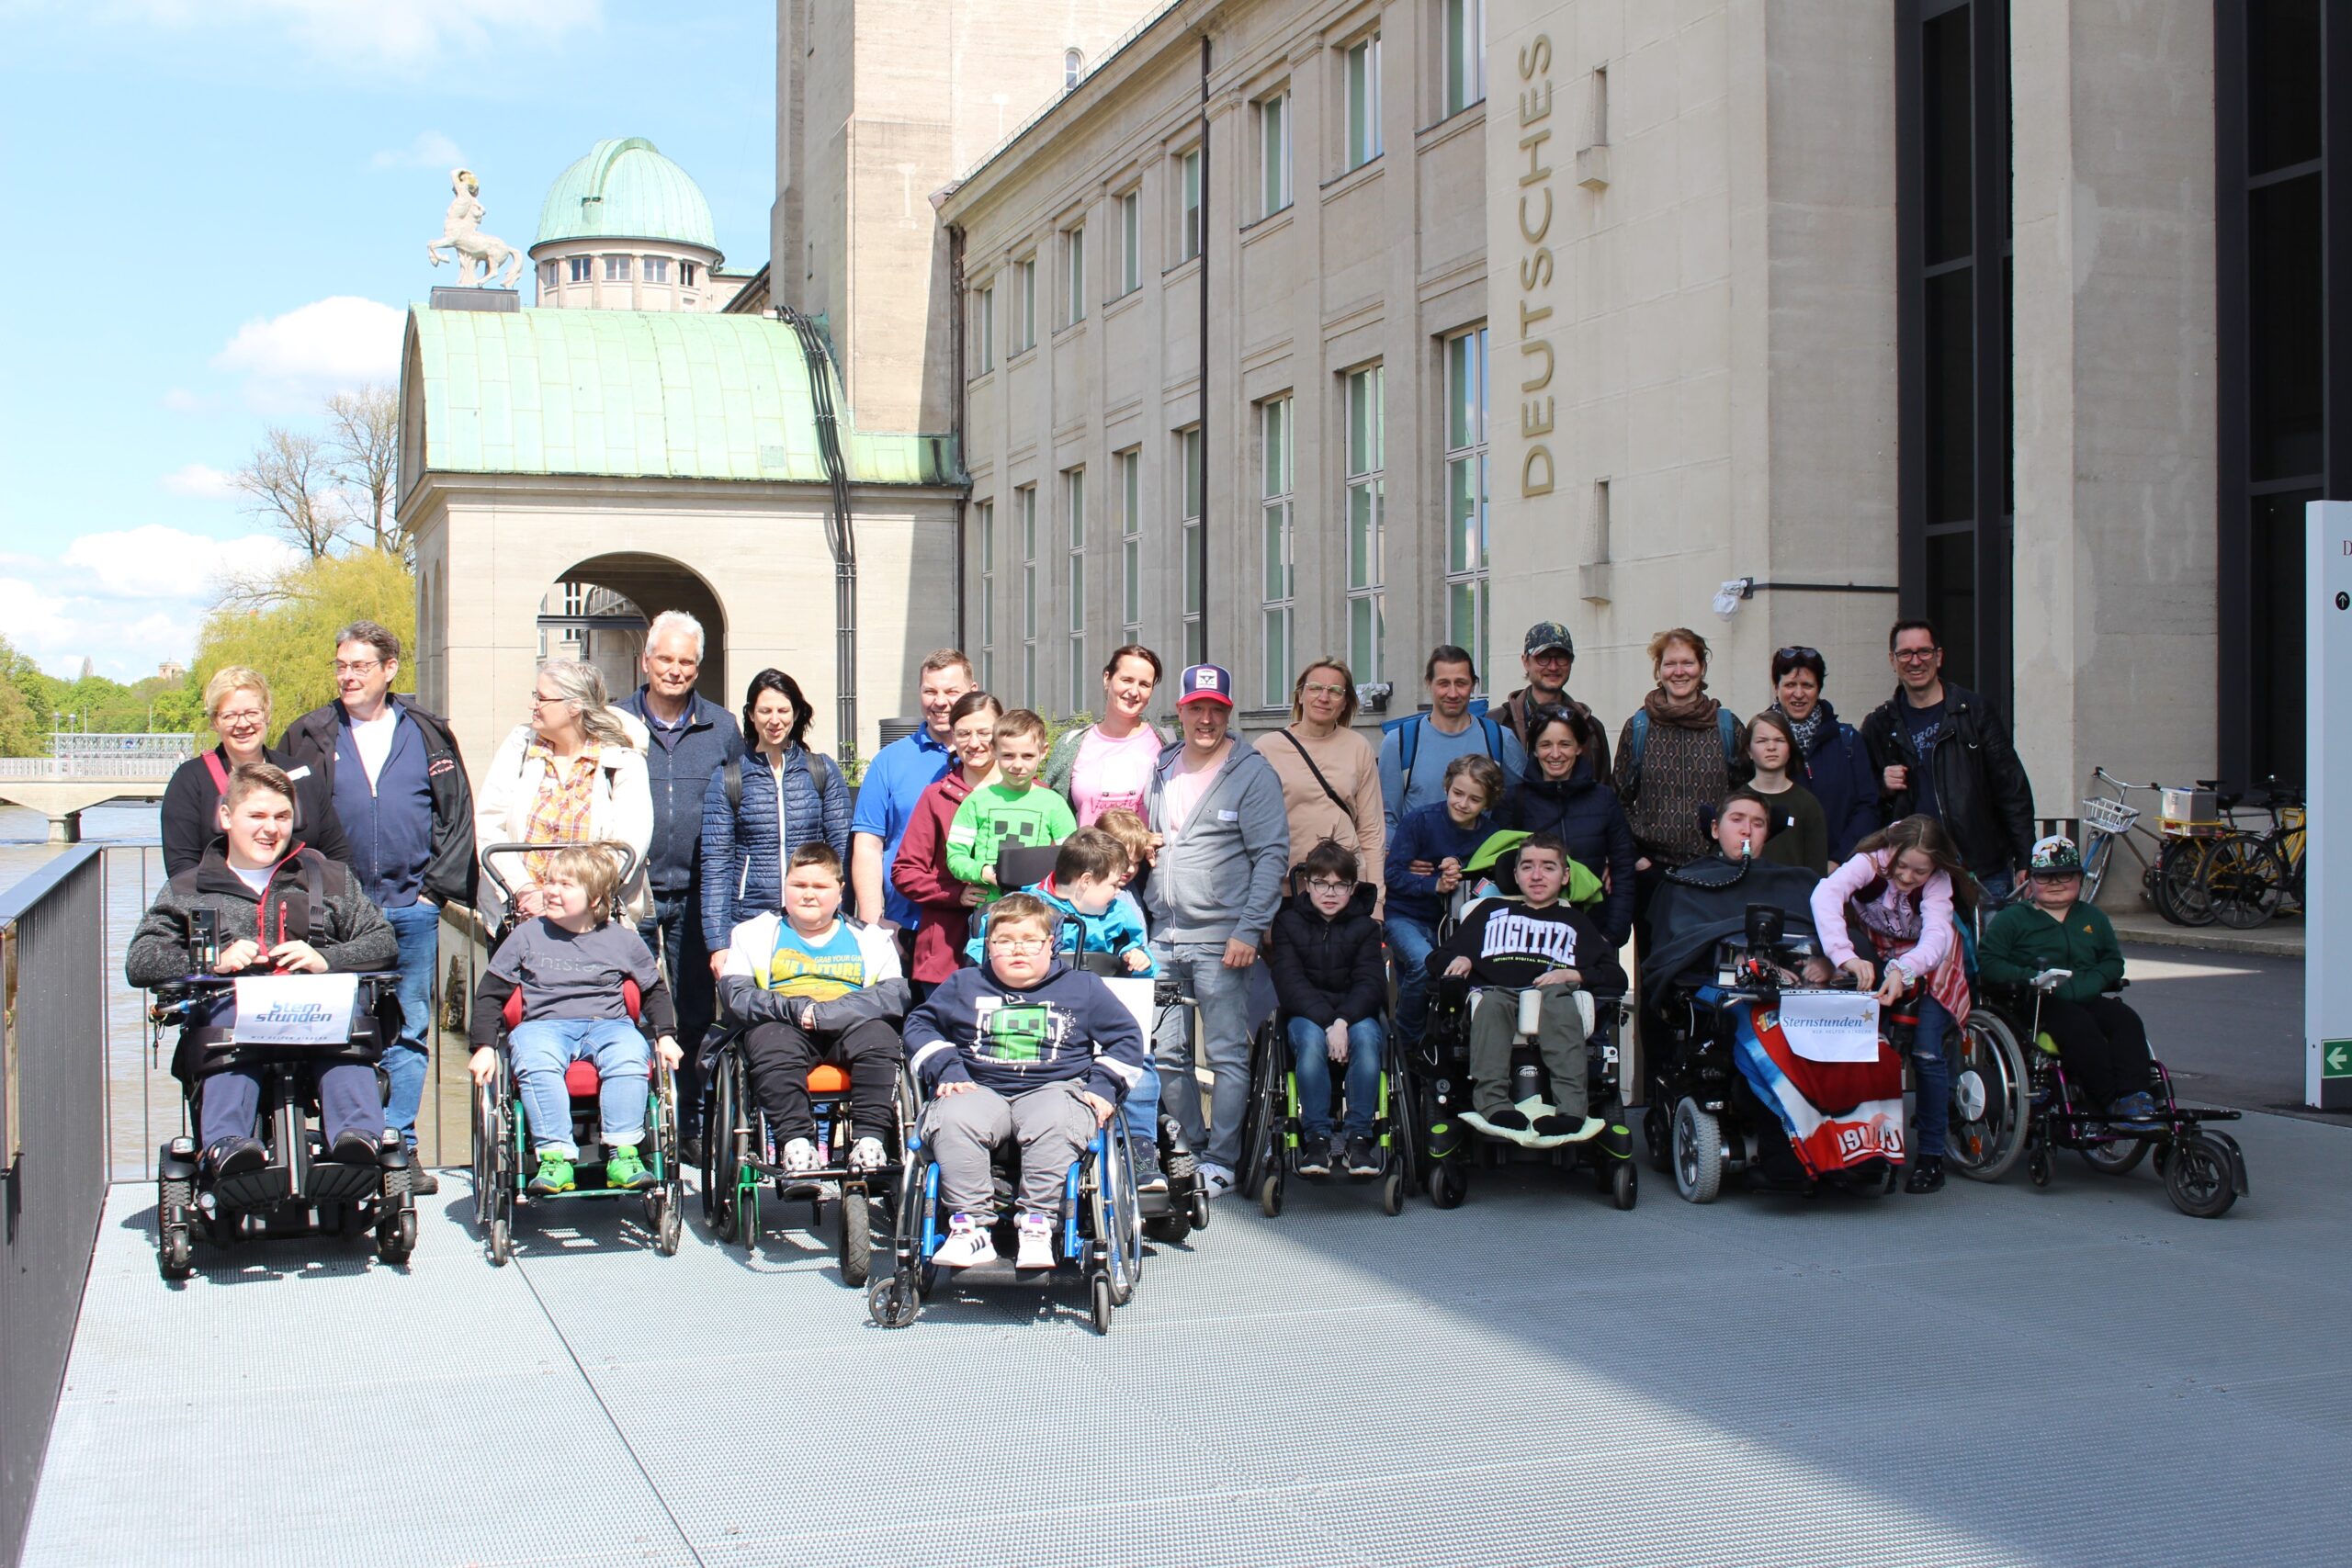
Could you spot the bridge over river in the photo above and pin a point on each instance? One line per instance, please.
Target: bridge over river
(1991, 1375)
(87, 770)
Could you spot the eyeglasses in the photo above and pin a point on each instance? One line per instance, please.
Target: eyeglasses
(1329, 885)
(242, 716)
(1551, 656)
(355, 665)
(1914, 655)
(1317, 689)
(1019, 944)
(541, 699)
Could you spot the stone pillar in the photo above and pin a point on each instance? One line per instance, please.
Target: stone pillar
(2112, 119)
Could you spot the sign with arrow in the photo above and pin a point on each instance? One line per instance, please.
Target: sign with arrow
(2335, 1059)
(2327, 858)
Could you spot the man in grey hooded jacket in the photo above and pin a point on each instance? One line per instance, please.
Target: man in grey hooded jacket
(1218, 808)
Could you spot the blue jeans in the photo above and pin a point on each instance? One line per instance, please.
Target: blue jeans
(1140, 1110)
(1409, 943)
(542, 1049)
(1932, 1069)
(1224, 998)
(674, 934)
(418, 925)
(1310, 1060)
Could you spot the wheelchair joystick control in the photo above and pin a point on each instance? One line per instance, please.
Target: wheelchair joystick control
(204, 939)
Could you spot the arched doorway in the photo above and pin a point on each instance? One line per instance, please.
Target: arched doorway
(599, 609)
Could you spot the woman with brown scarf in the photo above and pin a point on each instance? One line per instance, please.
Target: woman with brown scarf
(1676, 757)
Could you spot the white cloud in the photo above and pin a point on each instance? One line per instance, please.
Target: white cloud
(330, 344)
(60, 631)
(157, 562)
(127, 600)
(197, 479)
(431, 149)
(368, 32)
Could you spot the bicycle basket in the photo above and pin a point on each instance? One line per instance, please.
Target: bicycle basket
(2109, 816)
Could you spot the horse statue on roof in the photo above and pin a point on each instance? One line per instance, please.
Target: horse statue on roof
(461, 235)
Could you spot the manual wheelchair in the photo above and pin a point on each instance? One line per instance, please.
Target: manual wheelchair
(296, 1193)
(1269, 1143)
(501, 1138)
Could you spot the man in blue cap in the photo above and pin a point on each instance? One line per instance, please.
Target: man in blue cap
(1224, 846)
(1547, 657)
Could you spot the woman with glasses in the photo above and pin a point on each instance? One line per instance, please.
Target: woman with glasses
(236, 703)
(574, 773)
(1107, 766)
(1330, 774)
(1831, 760)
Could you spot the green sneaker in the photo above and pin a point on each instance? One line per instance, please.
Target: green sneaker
(555, 1176)
(625, 1171)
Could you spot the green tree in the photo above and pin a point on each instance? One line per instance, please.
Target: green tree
(23, 732)
(286, 630)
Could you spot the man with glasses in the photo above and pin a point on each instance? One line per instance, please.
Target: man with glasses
(1546, 658)
(400, 791)
(1940, 751)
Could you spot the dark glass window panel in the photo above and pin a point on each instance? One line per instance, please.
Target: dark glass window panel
(2276, 581)
(1948, 119)
(1951, 599)
(1950, 354)
(2283, 99)
(2285, 315)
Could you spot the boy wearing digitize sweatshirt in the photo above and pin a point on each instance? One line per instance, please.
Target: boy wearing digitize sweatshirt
(1545, 943)
(1025, 1048)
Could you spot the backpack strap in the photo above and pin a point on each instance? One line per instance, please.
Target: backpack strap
(1408, 741)
(1494, 739)
(731, 771)
(220, 775)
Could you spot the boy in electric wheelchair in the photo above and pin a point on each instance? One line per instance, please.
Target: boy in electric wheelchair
(1540, 943)
(259, 902)
(1023, 1049)
(572, 964)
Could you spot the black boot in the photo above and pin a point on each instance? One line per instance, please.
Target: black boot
(422, 1182)
(1926, 1175)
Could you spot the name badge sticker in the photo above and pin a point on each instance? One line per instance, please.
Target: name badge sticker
(1229, 817)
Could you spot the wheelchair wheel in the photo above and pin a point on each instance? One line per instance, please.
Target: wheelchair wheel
(1659, 1139)
(2037, 1161)
(662, 1217)
(1449, 1183)
(2199, 1178)
(1270, 1195)
(175, 1247)
(891, 1301)
(1117, 1224)
(1625, 1186)
(1392, 1193)
(1698, 1153)
(1991, 1093)
(1262, 1129)
(2117, 1157)
(1103, 1303)
(856, 1237)
(722, 1151)
(396, 1220)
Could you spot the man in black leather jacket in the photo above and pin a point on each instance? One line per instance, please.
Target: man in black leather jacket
(1941, 750)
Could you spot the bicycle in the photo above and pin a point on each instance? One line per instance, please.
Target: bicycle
(2172, 877)
(2250, 873)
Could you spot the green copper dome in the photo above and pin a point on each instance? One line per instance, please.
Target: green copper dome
(626, 190)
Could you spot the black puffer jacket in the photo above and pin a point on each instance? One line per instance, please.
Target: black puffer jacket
(1983, 795)
(1590, 820)
(1327, 970)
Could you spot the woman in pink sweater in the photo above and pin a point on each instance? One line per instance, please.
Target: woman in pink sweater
(1899, 892)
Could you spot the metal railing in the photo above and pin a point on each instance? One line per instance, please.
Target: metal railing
(99, 768)
(53, 1106)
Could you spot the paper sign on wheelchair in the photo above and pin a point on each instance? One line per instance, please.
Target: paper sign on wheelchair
(1135, 997)
(1830, 1026)
(296, 1009)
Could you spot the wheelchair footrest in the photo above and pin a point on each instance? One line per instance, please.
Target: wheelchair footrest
(252, 1189)
(343, 1183)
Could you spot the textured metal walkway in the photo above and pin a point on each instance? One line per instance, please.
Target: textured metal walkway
(1991, 1376)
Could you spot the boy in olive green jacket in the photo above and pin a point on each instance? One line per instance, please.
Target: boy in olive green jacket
(2101, 1043)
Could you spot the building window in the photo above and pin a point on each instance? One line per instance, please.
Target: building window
(1366, 504)
(1273, 151)
(1024, 304)
(1362, 94)
(1192, 469)
(2284, 441)
(983, 330)
(1466, 58)
(547, 276)
(985, 514)
(1074, 275)
(1024, 502)
(1131, 242)
(1073, 62)
(1275, 579)
(1953, 213)
(657, 269)
(580, 268)
(617, 269)
(686, 275)
(1074, 584)
(1126, 474)
(1188, 205)
(1466, 491)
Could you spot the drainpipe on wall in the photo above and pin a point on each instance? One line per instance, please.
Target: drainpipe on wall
(840, 532)
(956, 359)
(1202, 543)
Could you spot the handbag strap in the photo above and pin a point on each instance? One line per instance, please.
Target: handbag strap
(1297, 746)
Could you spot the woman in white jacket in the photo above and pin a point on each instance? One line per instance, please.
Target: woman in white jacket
(575, 773)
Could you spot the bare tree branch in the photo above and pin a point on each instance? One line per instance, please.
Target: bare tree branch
(290, 483)
(363, 453)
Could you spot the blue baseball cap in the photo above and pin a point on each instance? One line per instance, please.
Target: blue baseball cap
(1205, 683)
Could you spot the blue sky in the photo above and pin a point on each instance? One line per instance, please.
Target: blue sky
(217, 210)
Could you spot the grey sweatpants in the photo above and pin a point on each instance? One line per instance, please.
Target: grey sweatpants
(1559, 1041)
(1051, 1124)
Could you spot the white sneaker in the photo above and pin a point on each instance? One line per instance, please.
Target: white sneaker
(1036, 1233)
(1216, 1180)
(797, 1158)
(867, 1155)
(968, 1243)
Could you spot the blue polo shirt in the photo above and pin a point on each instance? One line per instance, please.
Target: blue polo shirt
(894, 782)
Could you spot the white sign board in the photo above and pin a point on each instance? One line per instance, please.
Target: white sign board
(2327, 752)
(1135, 997)
(1830, 1026)
(296, 1009)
